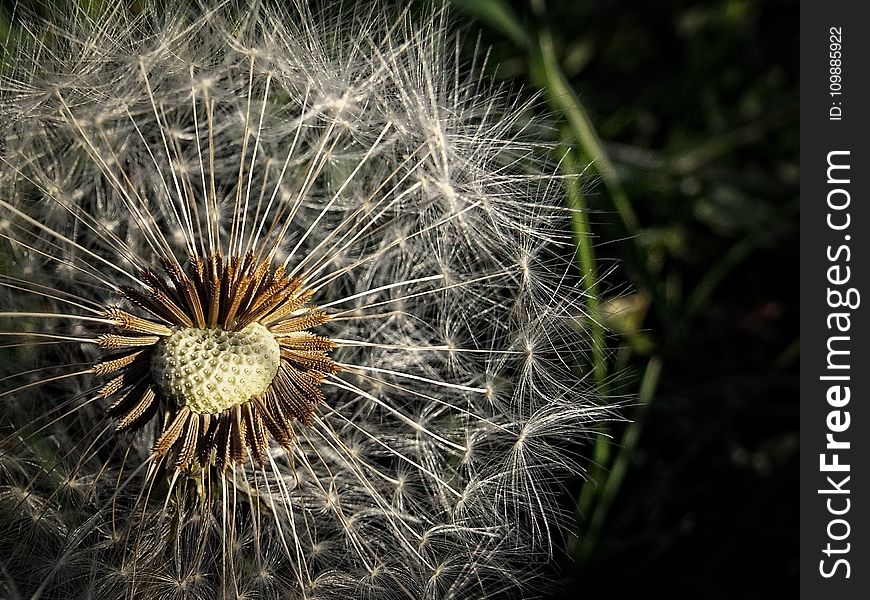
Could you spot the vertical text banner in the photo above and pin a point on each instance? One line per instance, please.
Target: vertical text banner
(835, 300)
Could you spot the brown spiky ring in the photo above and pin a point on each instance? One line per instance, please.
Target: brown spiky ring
(224, 358)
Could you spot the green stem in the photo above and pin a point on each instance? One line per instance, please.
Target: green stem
(608, 491)
(563, 97)
(548, 75)
(586, 262)
(500, 16)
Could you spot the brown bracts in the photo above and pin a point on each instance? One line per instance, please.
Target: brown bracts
(224, 359)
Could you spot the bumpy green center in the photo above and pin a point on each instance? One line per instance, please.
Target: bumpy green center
(211, 370)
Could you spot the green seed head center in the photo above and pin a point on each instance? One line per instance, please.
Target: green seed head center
(211, 370)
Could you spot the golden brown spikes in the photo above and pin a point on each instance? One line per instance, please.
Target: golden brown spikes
(233, 269)
(127, 401)
(306, 342)
(162, 298)
(114, 342)
(192, 296)
(300, 409)
(255, 433)
(228, 286)
(266, 306)
(314, 397)
(232, 292)
(281, 430)
(238, 295)
(277, 286)
(261, 280)
(221, 440)
(292, 399)
(300, 323)
(281, 413)
(248, 265)
(151, 278)
(214, 270)
(189, 444)
(145, 301)
(198, 268)
(187, 290)
(135, 324)
(145, 405)
(113, 386)
(158, 300)
(176, 274)
(237, 436)
(287, 307)
(254, 279)
(317, 361)
(317, 377)
(113, 364)
(214, 301)
(172, 432)
(215, 265)
(309, 383)
(204, 444)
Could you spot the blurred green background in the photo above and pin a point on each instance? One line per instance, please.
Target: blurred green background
(688, 114)
(683, 118)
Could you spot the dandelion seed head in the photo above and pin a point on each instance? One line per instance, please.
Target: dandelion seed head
(287, 309)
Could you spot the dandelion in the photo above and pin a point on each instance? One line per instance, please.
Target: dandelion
(287, 312)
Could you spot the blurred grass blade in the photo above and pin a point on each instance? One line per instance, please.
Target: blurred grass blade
(586, 263)
(499, 16)
(607, 491)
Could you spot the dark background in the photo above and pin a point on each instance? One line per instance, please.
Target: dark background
(696, 107)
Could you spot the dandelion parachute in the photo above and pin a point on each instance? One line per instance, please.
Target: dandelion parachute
(286, 310)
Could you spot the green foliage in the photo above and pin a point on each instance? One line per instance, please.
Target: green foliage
(682, 120)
